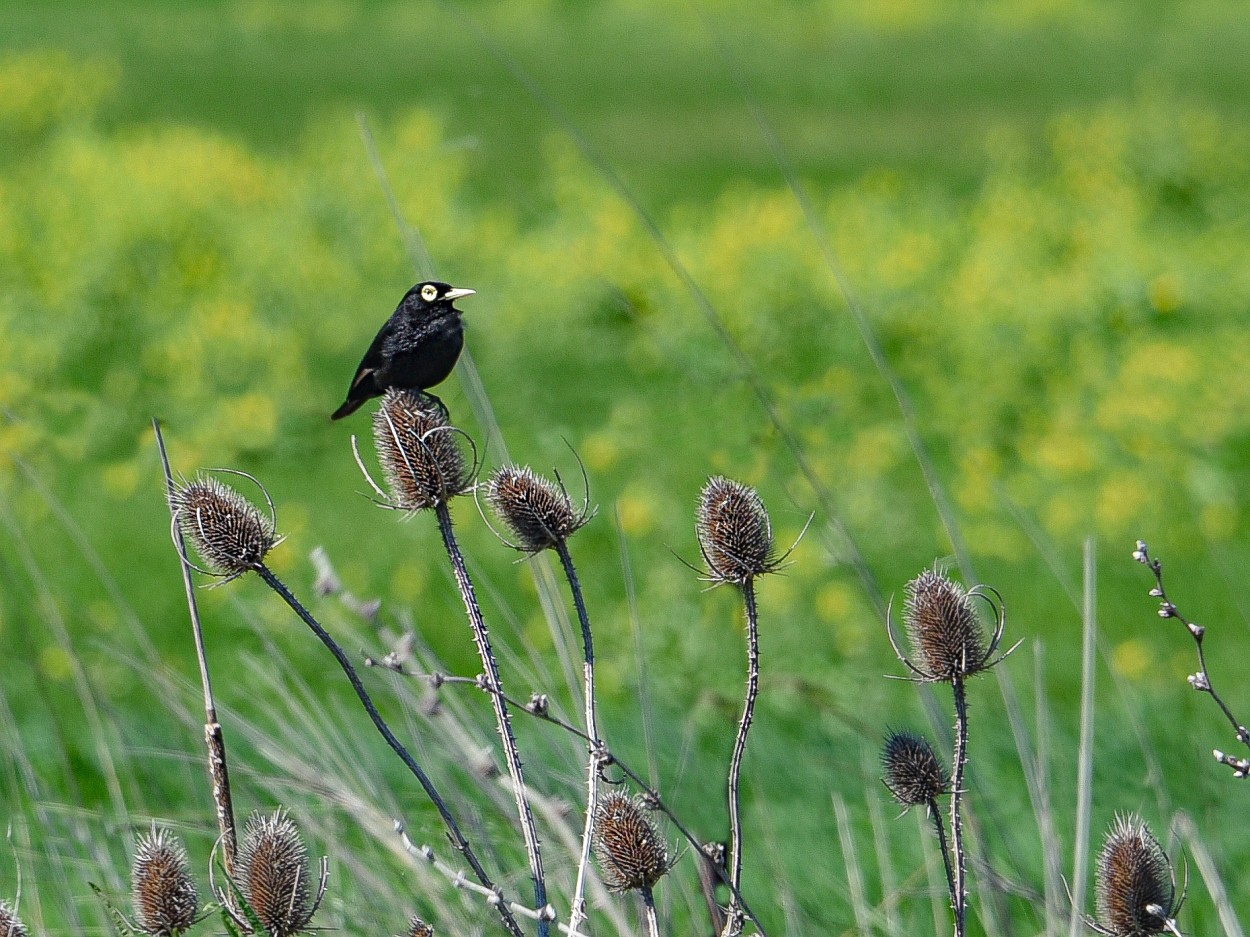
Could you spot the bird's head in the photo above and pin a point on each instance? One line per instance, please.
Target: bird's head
(433, 292)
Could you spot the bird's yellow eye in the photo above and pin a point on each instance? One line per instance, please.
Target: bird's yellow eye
(429, 292)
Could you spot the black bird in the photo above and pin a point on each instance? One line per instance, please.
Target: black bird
(416, 349)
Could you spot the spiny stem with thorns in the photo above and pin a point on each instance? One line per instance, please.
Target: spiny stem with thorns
(453, 828)
(733, 925)
(594, 746)
(959, 891)
(213, 737)
(940, 828)
(481, 637)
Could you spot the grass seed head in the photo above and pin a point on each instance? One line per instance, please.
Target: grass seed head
(10, 924)
(274, 873)
(912, 770)
(735, 535)
(163, 892)
(537, 510)
(942, 624)
(1134, 881)
(231, 535)
(420, 451)
(631, 851)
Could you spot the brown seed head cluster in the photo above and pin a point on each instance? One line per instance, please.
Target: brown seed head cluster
(1135, 894)
(230, 533)
(537, 510)
(164, 894)
(942, 624)
(420, 451)
(735, 535)
(631, 851)
(418, 928)
(274, 873)
(912, 770)
(10, 924)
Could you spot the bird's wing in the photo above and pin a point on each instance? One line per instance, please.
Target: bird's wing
(372, 359)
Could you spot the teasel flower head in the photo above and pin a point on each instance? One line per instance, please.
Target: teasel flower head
(912, 770)
(274, 874)
(421, 453)
(632, 852)
(947, 640)
(537, 511)
(735, 535)
(165, 898)
(10, 924)
(1135, 892)
(231, 535)
(418, 928)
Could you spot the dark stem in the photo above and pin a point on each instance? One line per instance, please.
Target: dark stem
(959, 895)
(453, 828)
(734, 924)
(940, 828)
(481, 637)
(218, 772)
(648, 904)
(594, 746)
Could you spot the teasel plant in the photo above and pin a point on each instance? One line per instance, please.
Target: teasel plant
(736, 540)
(540, 515)
(1135, 887)
(424, 465)
(949, 645)
(274, 878)
(164, 896)
(914, 774)
(10, 924)
(1201, 680)
(632, 853)
(233, 537)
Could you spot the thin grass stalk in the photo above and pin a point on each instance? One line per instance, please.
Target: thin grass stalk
(1196, 842)
(594, 746)
(214, 738)
(734, 925)
(481, 637)
(453, 828)
(850, 862)
(959, 894)
(1085, 753)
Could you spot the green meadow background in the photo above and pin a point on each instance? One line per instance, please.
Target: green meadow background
(1042, 208)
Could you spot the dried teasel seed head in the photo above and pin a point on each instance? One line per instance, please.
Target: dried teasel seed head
(912, 770)
(1135, 895)
(230, 533)
(418, 928)
(163, 892)
(942, 624)
(10, 924)
(735, 535)
(631, 851)
(420, 451)
(274, 873)
(537, 510)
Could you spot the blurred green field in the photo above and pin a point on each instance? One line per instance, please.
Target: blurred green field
(1043, 208)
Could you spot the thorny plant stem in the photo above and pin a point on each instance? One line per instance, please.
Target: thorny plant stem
(959, 894)
(481, 637)
(1200, 681)
(606, 759)
(733, 926)
(940, 828)
(648, 905)
(217, 765)
(594, 746)
(453, 828)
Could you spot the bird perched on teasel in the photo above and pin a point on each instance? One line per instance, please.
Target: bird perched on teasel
(416, 348)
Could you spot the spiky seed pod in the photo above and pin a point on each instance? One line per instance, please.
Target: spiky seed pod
(735, 535)
(1134, 881)
(164, 894)
(274, 873)
(10, 924)
(420, 451)
(631, 851)
(942, 625)
(418, 928)
(230, 533)
(537, 510)
(912, 770)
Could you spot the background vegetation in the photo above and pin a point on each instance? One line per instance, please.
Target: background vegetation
(1042, 207)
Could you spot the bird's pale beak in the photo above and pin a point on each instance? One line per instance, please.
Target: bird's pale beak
(457, 294)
